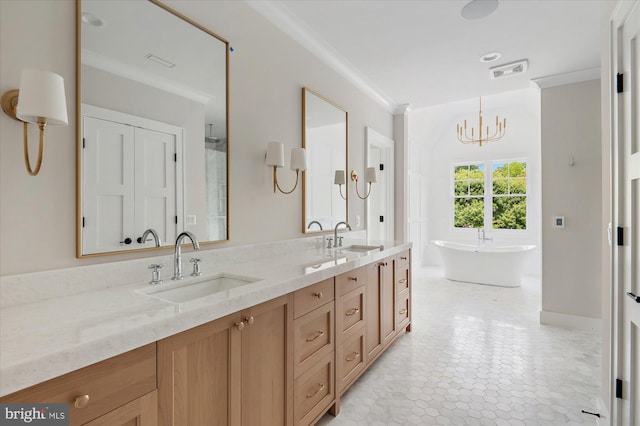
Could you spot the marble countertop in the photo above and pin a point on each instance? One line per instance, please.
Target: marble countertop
(55, 322)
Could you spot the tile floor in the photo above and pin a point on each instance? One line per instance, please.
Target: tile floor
(477, 355)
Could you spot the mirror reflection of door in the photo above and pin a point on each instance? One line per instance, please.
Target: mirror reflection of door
(129, 169)
(132, 61)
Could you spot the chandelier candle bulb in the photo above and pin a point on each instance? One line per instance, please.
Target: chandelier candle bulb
(498, 133)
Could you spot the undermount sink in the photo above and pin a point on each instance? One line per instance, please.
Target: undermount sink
(323, 264)
(180, 292)
(362, 248)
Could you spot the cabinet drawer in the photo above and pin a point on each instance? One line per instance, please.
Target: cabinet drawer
(350, 360)
(313, 337)
(351, 310)
(350, 280)
(309, 298)
(314, 391)
(109, 384)
(402, 279)
(403, 309)
(403, 259)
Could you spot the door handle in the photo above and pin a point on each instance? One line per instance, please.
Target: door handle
(634, 297)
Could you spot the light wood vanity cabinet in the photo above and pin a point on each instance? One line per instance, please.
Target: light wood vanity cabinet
(314, 351)
(199, 374)
(387, 300)
(402, 282)
(115, 391)
(234, 370)
(283, 362)
(350, 323)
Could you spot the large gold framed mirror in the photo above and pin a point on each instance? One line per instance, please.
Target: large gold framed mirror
(325, 137)
(152, 114)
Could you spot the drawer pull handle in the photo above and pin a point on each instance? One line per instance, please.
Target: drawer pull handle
(319, 295)
(320, 333)
(249, 320)
(402, 312)
(353, 356)
(81, 401)
(354, 279)
(352, 312)
(402, 281)
(239, 325)
(403, 258)
(320, 387)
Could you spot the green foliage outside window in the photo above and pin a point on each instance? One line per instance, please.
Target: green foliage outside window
(509, 201)
(469, 196)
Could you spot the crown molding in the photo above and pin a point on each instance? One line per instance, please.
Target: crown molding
(566, 78)
(281, 17)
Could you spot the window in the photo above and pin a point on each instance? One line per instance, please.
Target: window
(509, 204)
(495, 200)
(469, 196)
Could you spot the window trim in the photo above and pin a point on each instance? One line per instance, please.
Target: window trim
(488, 193)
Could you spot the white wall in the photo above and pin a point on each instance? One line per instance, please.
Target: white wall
(434, 129)
(571, 257)
(267, 70)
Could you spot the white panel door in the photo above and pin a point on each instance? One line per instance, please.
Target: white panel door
(108, 190)
(381, 202)
(155, 187)
(626, 169)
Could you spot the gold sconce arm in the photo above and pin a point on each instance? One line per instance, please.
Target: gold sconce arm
(275, 159)
(370, 178)
(9, 102)
(40, 100)
(277, 185)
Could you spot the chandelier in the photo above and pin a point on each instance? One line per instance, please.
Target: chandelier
(483, 138)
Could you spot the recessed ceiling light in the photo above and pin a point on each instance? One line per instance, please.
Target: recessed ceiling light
(478, 9)
(93, 20)
(490, 57)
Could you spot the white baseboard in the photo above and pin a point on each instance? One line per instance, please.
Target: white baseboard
(570, 321)
(603, 420)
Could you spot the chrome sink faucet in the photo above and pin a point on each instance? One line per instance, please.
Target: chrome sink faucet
(316, 223)
(335, 233)
(145, 234)
(177, 264)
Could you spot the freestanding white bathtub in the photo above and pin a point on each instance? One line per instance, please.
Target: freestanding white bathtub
(492, 265)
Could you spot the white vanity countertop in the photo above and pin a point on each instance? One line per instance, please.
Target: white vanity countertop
(55, 322)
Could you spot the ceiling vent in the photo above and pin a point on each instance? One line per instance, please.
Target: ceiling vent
(507, 70)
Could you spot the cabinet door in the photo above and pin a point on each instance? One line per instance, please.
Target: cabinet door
(199, 375)
(267, 363)
(372, 323)
(139, 412)
(388, 301)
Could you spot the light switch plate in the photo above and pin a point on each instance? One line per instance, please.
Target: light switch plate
(191, 219)
(558, 222)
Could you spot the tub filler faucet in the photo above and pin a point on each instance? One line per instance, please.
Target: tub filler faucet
(481, 236)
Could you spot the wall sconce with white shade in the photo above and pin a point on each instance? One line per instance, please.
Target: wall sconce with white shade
(340, 180)
(369, 177)
(275, 159)
(39, 100)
